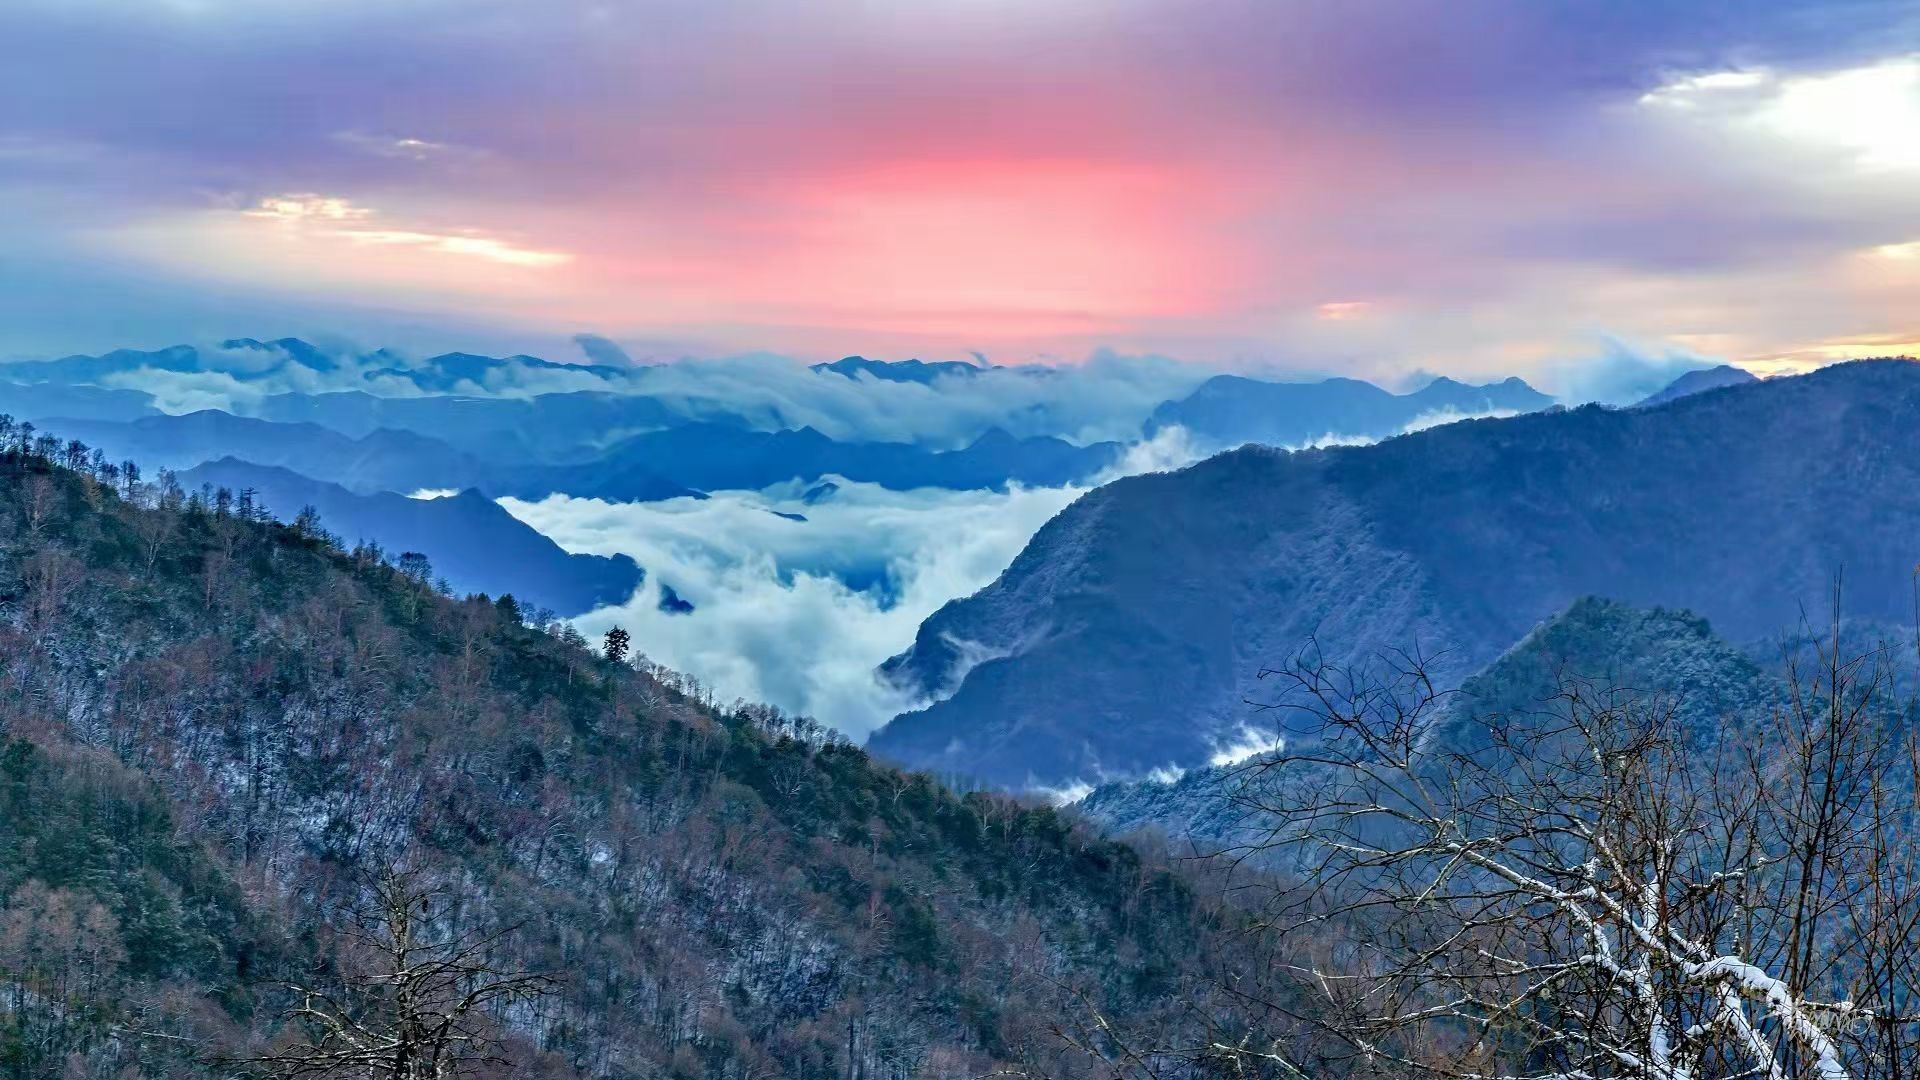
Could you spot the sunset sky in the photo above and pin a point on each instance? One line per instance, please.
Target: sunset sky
(1475, 187)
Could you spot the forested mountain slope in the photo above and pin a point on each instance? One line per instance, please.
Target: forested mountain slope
(1131, 631)
(471, 542)
(1670, 659)
(213, 729)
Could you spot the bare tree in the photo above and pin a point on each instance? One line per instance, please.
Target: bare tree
(1598, 887)
(416, 1000)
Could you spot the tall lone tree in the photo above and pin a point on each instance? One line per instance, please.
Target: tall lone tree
(616, 644)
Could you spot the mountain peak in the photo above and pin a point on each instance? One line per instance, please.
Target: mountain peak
(1698, 381)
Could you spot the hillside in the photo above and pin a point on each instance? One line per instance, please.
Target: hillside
(214, 729)
(1694, 382)
(1131, 631)
(471, 542)
(1596, 646)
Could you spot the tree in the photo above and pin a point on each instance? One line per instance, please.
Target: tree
(416, 997)
(616, 644)
(1596, 889)
(415, 565)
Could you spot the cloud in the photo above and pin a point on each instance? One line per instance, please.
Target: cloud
(473, 244)
(307, 207)
(332, 216)
(712, 176)
(1868, 114)
(601, 350)
(1171, 447)
(798, 613)
(1107, 397)
(405, 147)
(801, 613)
(1620, 374)
(1244, 743)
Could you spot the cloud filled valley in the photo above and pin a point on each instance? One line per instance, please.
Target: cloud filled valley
(798, 614)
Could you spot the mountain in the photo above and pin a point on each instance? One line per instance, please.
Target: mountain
(1601, 648)
(1230, 410)
(672, 463)
(242, 359)
(251, 360)
(560, 427)
(1131, 631)
(36, 401)
(451, 373)
(381, 460)
(715, 456)
(215, 731)
(913, 371)
(473, 543)
(1693, 382)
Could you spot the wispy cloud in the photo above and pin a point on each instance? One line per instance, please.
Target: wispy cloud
(406, 147)
(483, 247)
(331, 216)
(307, 207)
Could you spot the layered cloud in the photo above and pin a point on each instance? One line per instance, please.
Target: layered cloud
(1483, 186)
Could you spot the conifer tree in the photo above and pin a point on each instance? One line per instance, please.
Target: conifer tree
(617, 642)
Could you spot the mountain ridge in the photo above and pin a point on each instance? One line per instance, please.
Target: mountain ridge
(1128, 634)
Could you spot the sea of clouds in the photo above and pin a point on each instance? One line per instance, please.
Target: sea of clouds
(799, 614)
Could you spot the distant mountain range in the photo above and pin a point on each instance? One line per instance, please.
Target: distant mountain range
(472, 542)
(914, 371)
(27, 401)
(672, 463)
(1231, 410)
(250, 360)
(381, 460)
(714, 457)
(1131, 631)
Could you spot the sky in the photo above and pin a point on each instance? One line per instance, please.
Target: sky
(1476, 187)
